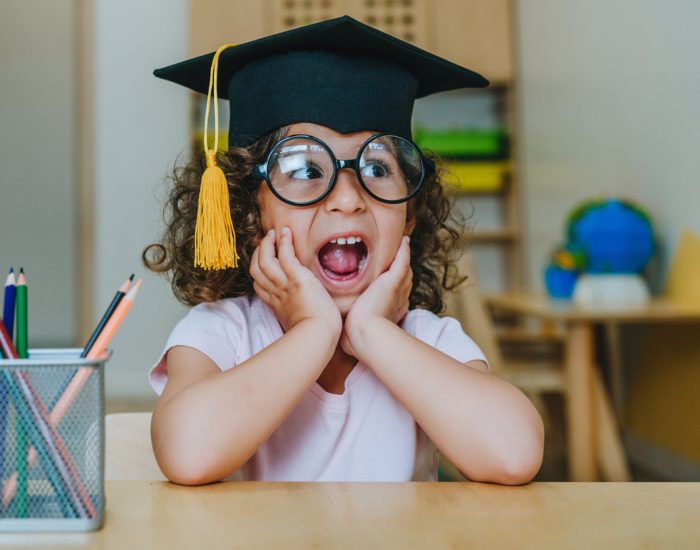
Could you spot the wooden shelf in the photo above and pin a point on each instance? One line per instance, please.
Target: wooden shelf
(490, 236)
(528, 336)
(504, 189)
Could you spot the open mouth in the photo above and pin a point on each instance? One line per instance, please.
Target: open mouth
(343, 259)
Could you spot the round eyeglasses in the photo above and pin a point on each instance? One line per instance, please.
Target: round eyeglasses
(302, 170)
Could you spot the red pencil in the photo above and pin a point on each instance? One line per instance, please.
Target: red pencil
(8, 350)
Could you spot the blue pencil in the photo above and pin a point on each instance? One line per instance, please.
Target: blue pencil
(107, 314)
(8, 311)
(8, 318)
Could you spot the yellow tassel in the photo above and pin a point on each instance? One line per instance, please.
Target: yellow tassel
(215, 238)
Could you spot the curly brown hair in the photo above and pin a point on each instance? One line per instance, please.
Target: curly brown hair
(434, 241)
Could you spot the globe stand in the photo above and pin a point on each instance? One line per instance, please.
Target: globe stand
(620, 290)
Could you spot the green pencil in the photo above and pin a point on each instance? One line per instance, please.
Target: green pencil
(21, 316)
(22, 451)
(22, 351)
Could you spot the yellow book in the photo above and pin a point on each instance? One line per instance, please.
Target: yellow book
(475, 177)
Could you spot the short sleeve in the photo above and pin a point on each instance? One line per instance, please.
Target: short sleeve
(216, 329)
(444, 334)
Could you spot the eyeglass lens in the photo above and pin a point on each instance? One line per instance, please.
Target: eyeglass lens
(301, 169)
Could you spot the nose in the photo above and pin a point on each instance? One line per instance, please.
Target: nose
(347, 195)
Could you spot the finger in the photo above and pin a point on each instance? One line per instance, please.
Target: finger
(407, 281)
(402, 261)
(406, 287)
(261, 292)
(286, 254)
(269, 264)
(406, 303)
(402, 313)
(255, 271)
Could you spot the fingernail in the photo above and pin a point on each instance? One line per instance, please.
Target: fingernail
(270, 232)
(285, 230)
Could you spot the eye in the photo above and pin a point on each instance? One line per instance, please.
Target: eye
(308, 172)
(375, 168)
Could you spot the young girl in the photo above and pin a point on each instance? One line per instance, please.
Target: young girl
(316, 352)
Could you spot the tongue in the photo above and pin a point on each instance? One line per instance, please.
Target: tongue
(339, 258)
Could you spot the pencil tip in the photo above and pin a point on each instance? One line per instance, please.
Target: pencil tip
(21, 270)
(133, 290)
(132, 277)
(12, 270)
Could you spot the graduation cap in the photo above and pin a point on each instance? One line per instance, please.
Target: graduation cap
(340, 73)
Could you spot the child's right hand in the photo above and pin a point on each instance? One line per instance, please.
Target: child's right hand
(288, 287)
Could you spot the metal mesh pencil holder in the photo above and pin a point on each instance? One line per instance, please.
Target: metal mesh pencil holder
(52, 441)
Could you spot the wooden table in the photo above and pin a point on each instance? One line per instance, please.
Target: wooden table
(153, 515)
(593, 429)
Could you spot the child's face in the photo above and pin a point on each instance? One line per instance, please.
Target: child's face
(347, 211)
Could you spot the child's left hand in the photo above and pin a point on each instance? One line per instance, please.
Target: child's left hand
(386, 298)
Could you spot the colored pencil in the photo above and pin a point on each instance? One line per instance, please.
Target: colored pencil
(107, 314)
(8, 318)
(6, 348)
(98, 349)
(23, 416)
(33, 426)
(8, 309)
(28, 422)
(79, 380)
(23, 352)
(22, 448)
(75, 489)
(21, 336)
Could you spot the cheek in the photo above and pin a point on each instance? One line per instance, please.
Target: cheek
(264, 206)
(274, 214)
(391, 231)
(393, 222)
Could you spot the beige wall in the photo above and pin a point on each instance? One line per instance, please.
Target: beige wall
(136, 125)
(609, 104)
(609, 101)
(141, 124)
(37, 210)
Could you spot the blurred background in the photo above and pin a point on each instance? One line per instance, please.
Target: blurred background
(589, 102)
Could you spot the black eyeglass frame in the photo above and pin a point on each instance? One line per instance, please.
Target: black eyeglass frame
(427, 168)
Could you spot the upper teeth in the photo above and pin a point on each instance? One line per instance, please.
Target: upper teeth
(346, 240)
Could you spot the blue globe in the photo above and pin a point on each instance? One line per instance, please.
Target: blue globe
(616, 235)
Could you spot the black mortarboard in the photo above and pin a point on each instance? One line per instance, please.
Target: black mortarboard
(338, 73)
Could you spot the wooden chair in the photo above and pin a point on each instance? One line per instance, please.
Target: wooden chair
(534, 373)
(128, 450)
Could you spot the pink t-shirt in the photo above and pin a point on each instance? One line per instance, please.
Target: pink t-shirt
(365, 434)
